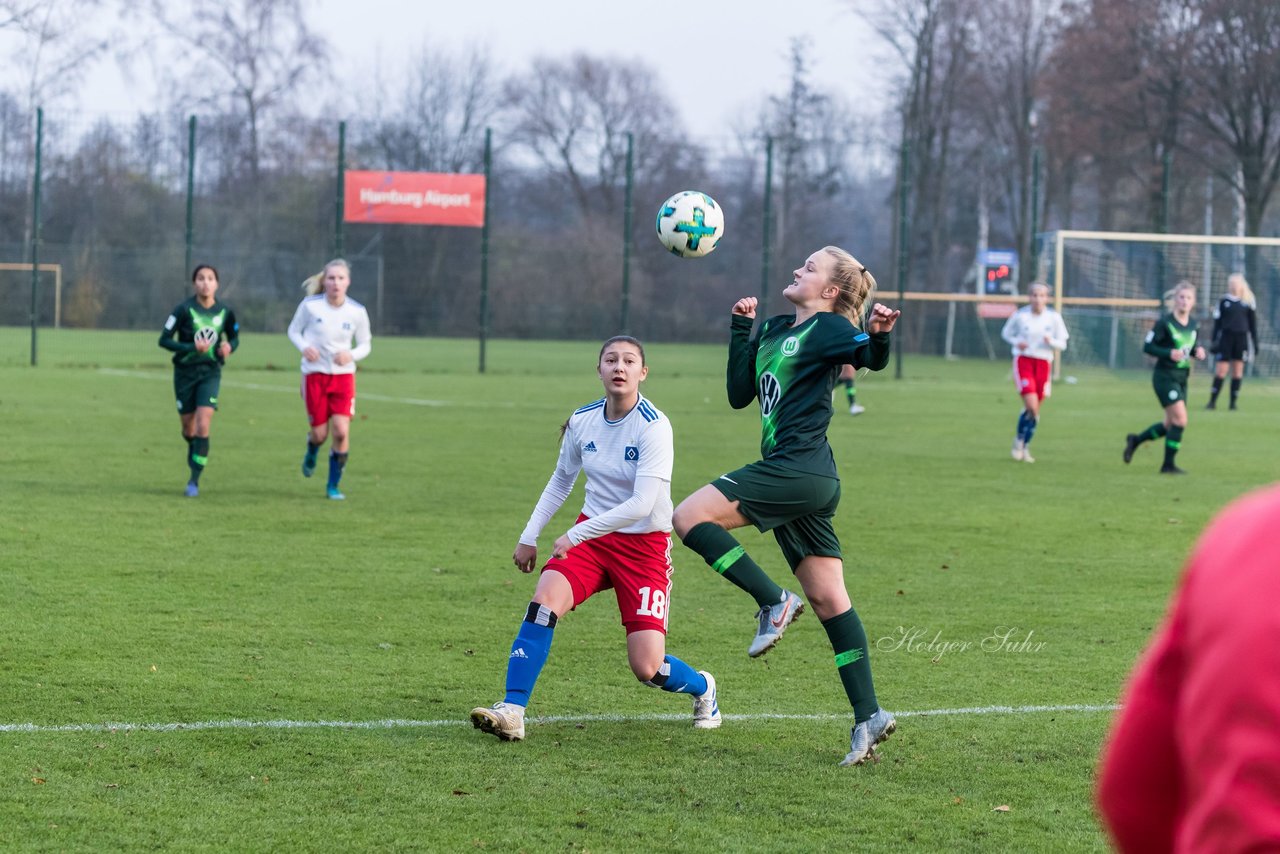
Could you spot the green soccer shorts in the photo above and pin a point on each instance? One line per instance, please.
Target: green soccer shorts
(1169, 387)
(797, 506)
(196, 388)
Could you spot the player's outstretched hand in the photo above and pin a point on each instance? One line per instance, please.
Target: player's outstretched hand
(882, 318)
(525, 557)
(745, 307)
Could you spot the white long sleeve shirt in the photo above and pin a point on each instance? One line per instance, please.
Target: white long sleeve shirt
(331, 329)
(1026, 327)
(628, 464)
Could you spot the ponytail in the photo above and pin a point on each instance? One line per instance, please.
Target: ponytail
(855, 283)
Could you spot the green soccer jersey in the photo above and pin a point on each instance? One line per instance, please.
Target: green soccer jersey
(791, 370)
(190, 321)
(1168, 335)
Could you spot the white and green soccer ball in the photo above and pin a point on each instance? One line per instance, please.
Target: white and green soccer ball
(690, 224)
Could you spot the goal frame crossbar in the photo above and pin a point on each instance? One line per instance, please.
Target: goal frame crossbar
(56, 269)
(1062, 236)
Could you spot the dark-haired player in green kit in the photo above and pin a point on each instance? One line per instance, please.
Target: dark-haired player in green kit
(201, 332)
(1173, 342)
(791, 367)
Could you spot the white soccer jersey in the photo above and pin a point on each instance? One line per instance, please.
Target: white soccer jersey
(1026, 327)
(330, 330)
(613, 454)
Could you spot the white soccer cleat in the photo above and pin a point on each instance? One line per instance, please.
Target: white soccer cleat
(866, 735)
(706, 710)
(504, 720)
(1026, 456)
(856, 409)
(773, 622)
(1019, 450)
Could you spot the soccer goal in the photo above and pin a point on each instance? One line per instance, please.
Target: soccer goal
(1108, 286)
(17, 277)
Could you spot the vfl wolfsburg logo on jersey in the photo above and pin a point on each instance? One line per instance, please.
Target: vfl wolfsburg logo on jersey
(774, 373)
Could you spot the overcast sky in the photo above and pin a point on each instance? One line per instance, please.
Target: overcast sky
(715, 64)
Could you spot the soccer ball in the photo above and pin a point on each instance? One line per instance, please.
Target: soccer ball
(690, 224)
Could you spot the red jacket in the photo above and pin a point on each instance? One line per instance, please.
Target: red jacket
(1193, 761)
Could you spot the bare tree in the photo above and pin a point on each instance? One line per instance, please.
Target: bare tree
(1116, 97)
(1011, 67)
(934, 40)
(573, 116)
(55, 48)
(814, 133)
(1235, 99)
(251, 55)
(436, 120)
(14, 14)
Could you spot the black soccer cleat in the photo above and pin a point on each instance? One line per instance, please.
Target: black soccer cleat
(1130, 445)
(1172, 469)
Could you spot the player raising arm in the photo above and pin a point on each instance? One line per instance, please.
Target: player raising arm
(790, 368)
(622, 540)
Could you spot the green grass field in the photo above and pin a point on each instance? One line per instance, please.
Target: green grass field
(261, 669)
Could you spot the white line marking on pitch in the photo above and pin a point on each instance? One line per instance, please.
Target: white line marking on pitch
(381, 398)
(400, 723)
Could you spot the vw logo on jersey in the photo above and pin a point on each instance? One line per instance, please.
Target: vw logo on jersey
(770, 393)
(206, 335)
(791, 346)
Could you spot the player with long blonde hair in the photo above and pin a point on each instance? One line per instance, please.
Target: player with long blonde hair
(790, 367)
(331, 330)
(1172, 340)
(1235, 336)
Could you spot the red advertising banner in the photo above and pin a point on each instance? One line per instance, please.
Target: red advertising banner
(415, 198)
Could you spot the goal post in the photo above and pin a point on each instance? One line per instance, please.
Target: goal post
(1109, 288)
(56, 269)
(1113, 267)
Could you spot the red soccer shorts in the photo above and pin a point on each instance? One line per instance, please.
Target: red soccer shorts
(636, 566)
(328, 394)
(1032, 376)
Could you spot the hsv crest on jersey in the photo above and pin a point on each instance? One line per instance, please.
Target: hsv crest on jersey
(631, 452)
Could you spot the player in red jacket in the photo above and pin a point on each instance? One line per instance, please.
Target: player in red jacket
(1193, 761)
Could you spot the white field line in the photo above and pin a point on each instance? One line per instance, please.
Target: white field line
(295, 390)
(401, 723)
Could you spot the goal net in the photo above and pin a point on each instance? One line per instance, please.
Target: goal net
(1109, 287)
